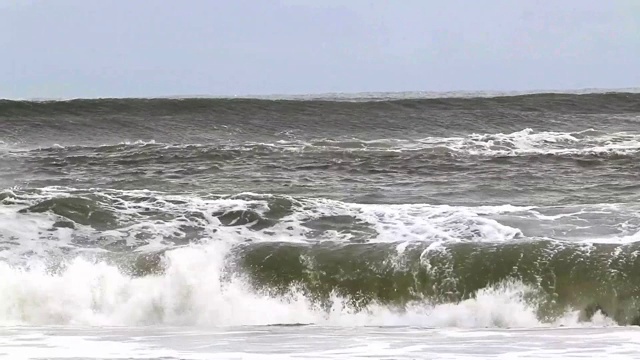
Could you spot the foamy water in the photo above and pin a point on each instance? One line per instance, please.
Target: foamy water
(313, 342)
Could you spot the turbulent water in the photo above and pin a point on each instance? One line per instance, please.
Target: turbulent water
(500, 212)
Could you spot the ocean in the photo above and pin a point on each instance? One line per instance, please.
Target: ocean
(377, 226)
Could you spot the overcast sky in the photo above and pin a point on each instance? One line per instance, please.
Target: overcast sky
(122, 48)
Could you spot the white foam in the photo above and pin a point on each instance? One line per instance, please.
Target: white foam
(191, 292)
(529, 142)
(624, 239)
(392, 223)
(519, 143)
(151, 221)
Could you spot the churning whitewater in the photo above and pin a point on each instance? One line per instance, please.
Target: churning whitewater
(511, 211)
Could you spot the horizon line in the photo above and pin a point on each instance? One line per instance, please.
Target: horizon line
(383, 95)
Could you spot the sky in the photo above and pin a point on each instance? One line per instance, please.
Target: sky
(146, 48)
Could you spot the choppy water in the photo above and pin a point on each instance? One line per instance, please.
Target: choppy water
(389, 211)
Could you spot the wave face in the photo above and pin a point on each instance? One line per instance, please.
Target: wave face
(473, 212)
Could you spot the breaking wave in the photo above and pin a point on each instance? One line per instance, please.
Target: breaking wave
(112, 257)
(527, 142)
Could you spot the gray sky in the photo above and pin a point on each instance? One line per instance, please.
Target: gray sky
(80, 48)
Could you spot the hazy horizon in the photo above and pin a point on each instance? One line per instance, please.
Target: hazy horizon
(352, 95)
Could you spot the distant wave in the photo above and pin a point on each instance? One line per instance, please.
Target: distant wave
(526, 142)
(614, 102)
